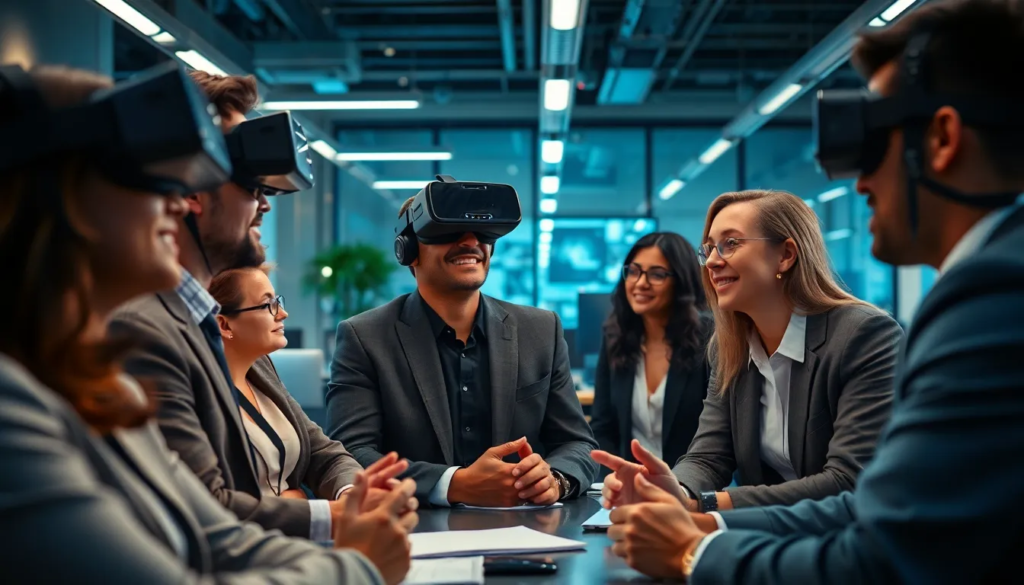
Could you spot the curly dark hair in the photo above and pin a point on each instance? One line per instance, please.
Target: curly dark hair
(685, 332)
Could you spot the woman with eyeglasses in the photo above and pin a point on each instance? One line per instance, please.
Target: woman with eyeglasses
(289, 449)
(802, 374)
(651, 375)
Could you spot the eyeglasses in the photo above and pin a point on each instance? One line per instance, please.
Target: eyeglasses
(273, 306)
(655, 276)
(726, 248)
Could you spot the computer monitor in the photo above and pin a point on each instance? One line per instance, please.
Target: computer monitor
(593, 309)
(575, 359)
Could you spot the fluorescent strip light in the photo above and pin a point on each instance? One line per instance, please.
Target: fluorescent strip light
(326, 150)
(877, 22)
(565, 14)
(196, 61)
(841, 234)
(896, 9)
(165, 38)
(780, 99)
(129, 15)
(810, 203)
(640, 225)
(399, 184)
(556, 94)
(833, 194)
(317, 105)
(717, 149)
(393, 156)
(548, 205)
(551, 151)
(547, 225)
(545, 237)
(549, 185)
(670, 189)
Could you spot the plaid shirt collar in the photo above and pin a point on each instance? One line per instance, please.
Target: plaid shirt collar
(198, 300)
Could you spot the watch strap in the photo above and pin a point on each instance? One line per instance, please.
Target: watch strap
(708, 502)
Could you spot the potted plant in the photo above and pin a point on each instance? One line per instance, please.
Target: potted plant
(349, 278)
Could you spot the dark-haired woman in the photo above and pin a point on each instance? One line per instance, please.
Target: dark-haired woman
(652, 376)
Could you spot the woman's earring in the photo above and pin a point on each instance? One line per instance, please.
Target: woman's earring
(779, 276)
(230, 336)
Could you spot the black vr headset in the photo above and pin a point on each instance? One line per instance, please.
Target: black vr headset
(446, 209)
(853, 127)
(271, 153)
(156, 132)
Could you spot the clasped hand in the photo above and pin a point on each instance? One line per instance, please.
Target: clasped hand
(619, 487)
(490, 481)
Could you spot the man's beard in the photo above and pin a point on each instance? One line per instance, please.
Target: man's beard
(245, 253)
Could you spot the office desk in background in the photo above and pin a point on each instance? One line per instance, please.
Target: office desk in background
(595, 565)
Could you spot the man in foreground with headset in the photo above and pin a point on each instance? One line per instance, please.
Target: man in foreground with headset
(938, 151)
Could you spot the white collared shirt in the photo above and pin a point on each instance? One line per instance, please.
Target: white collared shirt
(647, 411)
(777, 372)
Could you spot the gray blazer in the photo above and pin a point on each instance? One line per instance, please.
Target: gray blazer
(939, 504)
(387, 391)
(199, 417)
(80, 508)
(840, 397)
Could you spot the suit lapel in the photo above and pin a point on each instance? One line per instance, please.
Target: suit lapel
(747, 424)
(503, 355)
(263, 376)
(151, 466)
(417, 341)
(204, 353)
(800, 389)
(676, 385)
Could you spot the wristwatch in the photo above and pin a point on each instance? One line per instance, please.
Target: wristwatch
(708, 502)
(563, 483)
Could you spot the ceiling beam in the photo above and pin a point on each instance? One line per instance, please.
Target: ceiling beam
(703, 23)
(300, 20)
(508, 36)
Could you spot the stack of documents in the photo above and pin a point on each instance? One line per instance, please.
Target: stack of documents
(523, 508)
(599, 521)
(499, 541)
(461, 571)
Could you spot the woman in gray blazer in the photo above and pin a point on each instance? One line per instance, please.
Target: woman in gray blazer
(803, 372)
(88, 490)
(290, 450)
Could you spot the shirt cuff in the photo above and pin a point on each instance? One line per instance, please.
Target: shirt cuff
(719, 520)
(687, 492)
(439, 494)
(342, 490)
(701, 547)
(320, 521)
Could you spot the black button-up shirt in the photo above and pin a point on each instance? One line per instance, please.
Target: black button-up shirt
(467, 377)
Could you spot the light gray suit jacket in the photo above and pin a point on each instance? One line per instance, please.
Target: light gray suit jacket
(199, 417)
(840, 398)
(79, 508)
(387, 391)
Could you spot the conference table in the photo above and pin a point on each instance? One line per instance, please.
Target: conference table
(592, 566)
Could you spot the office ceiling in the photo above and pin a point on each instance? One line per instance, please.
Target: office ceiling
(664, 58)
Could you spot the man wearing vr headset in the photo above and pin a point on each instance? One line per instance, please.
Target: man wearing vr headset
(181, 350)
(937, 146)
(457, 381)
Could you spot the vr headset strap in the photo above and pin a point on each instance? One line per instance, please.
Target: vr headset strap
(193, 228)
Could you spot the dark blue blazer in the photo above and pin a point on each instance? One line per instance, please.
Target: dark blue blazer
(941, 501)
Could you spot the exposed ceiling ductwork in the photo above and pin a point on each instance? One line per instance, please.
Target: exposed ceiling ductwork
(814, 66)
(561, 40)
(631, 70)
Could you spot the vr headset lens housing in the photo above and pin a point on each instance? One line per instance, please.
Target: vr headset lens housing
(445, 210)
(852, 129)
(271, 153)
(155, 133)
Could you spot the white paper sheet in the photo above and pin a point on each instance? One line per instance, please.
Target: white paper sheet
(498, 541)
(595, 489)
(599, 520)
(457, 571)
(522, 508)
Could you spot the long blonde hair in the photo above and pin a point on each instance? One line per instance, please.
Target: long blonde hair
(810, 285)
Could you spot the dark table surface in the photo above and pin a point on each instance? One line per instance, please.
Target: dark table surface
(594, 565)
